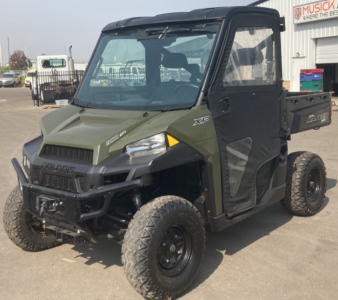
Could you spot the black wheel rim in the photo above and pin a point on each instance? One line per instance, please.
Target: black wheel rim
(313, 185)
(174, 250)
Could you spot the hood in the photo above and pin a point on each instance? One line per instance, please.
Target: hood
(6, 79)
(90, 128)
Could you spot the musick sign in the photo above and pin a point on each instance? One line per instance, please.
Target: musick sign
(316, 11)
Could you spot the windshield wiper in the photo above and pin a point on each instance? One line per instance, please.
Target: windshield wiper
(79, 105)
(83, 107)
(188, 31)
(155, 31)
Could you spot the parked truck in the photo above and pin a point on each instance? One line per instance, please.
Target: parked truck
(55, 77)
(151, 165)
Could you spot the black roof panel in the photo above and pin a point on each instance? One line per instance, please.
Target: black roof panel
(194, 15)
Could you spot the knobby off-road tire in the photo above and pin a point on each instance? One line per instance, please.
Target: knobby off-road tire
(163, 248)
(22, 228)
(305, 184)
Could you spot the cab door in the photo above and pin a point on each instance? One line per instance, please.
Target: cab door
(244, 101)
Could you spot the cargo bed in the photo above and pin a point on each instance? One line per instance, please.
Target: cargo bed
(306, 111)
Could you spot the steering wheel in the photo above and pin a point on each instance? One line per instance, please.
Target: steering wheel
(184, 86)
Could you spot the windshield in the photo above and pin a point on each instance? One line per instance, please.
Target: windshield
(53, 63)
(31, 74)
(8, 75)
(148, 69)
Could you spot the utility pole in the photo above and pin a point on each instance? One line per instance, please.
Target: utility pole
(9, 52)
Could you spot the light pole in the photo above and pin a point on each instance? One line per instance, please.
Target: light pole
(9, 53)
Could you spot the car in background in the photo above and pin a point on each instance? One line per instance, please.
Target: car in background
(10, 79)
(29, 77)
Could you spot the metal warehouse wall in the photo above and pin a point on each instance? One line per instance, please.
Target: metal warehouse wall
(300, 38)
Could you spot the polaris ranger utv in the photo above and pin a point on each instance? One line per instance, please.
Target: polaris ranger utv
(201, 140)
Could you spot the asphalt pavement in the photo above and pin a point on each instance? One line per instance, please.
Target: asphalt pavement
(271, 255)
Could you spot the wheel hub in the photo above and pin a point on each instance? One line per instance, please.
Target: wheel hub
(174, 250)
(313, 184)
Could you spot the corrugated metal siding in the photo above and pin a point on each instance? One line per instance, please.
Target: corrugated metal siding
(327, 50)
(300, 38)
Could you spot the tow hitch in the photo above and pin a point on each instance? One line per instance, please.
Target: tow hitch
(67, 236)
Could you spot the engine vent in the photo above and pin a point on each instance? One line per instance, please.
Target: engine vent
(68, 153)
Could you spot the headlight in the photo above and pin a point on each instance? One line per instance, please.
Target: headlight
(152, 145)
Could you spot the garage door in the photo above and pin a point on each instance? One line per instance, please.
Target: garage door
(327, 51)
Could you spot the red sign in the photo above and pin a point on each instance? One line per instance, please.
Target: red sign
(316, 11)
(298, 12)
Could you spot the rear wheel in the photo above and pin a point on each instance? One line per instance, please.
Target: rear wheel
(42, 95)
(305, 184)
(33, 96)
(164, 246)
(23, 229)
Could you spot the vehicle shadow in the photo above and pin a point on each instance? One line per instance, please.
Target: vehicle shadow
(228, 242)
(107, 252)
(331, 183)
(233, 239)
(238, 237)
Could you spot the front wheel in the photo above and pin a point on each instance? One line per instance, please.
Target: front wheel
(163, 248)
(305, 184)
(33, 96)
(23, 229)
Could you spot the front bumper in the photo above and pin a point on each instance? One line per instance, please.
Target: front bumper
(6, 83)
(35, 196)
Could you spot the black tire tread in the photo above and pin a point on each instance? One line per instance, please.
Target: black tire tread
(13, 216)
(136, 244)
(295, 196)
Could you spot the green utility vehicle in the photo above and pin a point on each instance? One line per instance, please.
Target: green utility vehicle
(200, 140)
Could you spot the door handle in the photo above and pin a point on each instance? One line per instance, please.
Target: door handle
(225, 104)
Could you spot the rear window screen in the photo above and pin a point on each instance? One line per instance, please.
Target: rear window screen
(53, 63)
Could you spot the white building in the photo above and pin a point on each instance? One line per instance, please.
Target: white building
(310, 40)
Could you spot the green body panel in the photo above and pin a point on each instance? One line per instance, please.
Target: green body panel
(89, 129)
(209, 148)
(92, 128)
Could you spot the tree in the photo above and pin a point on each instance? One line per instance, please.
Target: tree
(4, 69)
(17, 60)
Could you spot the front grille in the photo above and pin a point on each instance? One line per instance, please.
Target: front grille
(81, 182)
(59, 183)
(68, 153)
(36, 175)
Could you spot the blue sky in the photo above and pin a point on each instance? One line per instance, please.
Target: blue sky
(44, 26)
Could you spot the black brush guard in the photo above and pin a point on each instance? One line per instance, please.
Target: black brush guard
(72, 217)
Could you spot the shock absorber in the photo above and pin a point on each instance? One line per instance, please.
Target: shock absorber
(137, 201)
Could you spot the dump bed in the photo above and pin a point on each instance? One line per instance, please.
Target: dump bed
(306, 111)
